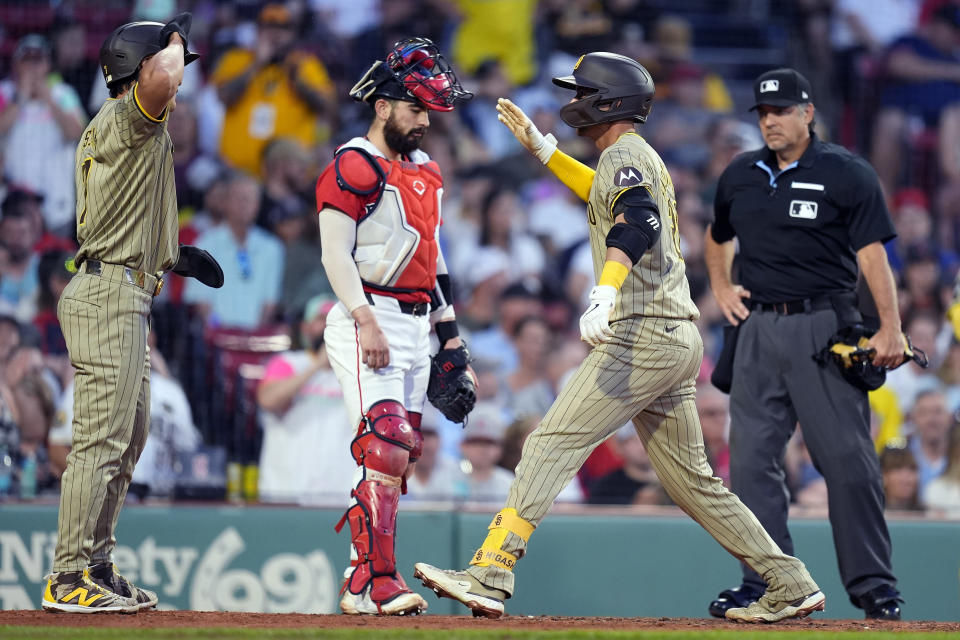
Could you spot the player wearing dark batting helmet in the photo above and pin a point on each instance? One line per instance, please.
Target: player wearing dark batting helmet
(127, 230)
(645, 355)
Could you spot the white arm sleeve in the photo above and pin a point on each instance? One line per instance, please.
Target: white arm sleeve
(338, 234)
(446, 311)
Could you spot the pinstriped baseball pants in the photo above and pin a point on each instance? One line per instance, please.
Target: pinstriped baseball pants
(646, 374)
(105, 323)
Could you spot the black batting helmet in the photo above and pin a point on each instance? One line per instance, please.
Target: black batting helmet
(613, 87)
(415, 71)
(124, 49)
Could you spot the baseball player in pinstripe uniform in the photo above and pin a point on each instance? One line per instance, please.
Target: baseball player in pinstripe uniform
(645, 357)
(127, 230)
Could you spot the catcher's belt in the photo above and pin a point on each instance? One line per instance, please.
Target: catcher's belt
(410, 308)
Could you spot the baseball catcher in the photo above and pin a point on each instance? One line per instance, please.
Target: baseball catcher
(379, 203)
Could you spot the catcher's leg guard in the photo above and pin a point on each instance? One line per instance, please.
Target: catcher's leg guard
(491, 553)
(382, 449)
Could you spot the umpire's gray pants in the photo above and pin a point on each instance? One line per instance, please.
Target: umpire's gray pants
(776, 383)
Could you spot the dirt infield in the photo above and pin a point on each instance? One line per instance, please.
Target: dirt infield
(201, 619)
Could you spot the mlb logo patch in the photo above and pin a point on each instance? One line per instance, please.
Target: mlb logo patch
(769, 85)
(803, 209)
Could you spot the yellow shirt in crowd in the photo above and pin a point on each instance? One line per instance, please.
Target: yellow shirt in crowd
(269, 108)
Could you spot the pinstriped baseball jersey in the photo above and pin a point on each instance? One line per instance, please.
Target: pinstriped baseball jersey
(126, 195)
(645, 372)
(657, 285)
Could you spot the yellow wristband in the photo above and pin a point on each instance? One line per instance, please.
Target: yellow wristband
(614, 273)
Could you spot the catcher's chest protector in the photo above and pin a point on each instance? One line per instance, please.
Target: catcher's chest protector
(397, 235)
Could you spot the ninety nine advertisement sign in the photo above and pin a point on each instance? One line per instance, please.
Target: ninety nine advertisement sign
(200, 559)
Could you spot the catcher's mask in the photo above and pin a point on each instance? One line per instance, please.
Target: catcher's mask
(611, 87)
(124, 50)
(849, 349)
(415, 71)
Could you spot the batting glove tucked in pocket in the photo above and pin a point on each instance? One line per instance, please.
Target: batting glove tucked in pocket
(595, 321)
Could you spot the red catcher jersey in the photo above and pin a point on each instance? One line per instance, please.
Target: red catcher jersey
(397, 209)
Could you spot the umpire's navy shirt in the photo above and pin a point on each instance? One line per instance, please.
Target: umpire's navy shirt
(800, 228)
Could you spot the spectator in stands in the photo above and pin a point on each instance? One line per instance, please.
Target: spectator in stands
(930, 424)
(252, 261)
(436, 474)
(921, 281)
(942, 495)
(906, 381)
(484, 282)
(503, 229)
(480, 114)
(503, 31)
(41, 121)
(70, 59)
(274, 90)
(683, 125)
(287, 181)
(53, 277)
(673, 46)
(481, 448)
(288, 214)
(635, 482)
(513, 439)
(900, 479)
(33, 399)
(530, 392)
(193, 170)
(19, 284)
(914, 223)
(714, 412)
(923, 73)
(305, 457)
(517, 301)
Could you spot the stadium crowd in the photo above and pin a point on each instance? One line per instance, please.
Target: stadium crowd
(239, 373)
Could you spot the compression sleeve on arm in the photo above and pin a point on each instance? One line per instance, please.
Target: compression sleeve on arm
(573, 173)
(338, 234)
(444, 313)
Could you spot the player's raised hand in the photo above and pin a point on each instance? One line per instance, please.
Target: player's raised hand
(525, 131)
(595, 321)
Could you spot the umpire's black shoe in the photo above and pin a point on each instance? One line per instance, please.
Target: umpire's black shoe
(880, 603)
(736, 597)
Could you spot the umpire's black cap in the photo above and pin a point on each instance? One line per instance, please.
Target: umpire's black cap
(781, 88)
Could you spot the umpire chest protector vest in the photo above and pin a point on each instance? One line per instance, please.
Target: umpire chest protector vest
(396, 247)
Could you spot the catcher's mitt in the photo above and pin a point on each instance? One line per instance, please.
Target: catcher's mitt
(849, 349)
(452, 388)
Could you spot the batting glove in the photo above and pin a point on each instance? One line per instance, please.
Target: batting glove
(525, 131)
(595, 321)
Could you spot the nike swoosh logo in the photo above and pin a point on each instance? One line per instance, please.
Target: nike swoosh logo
(670, 329)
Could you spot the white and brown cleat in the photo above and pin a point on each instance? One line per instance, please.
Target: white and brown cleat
(462, 587)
